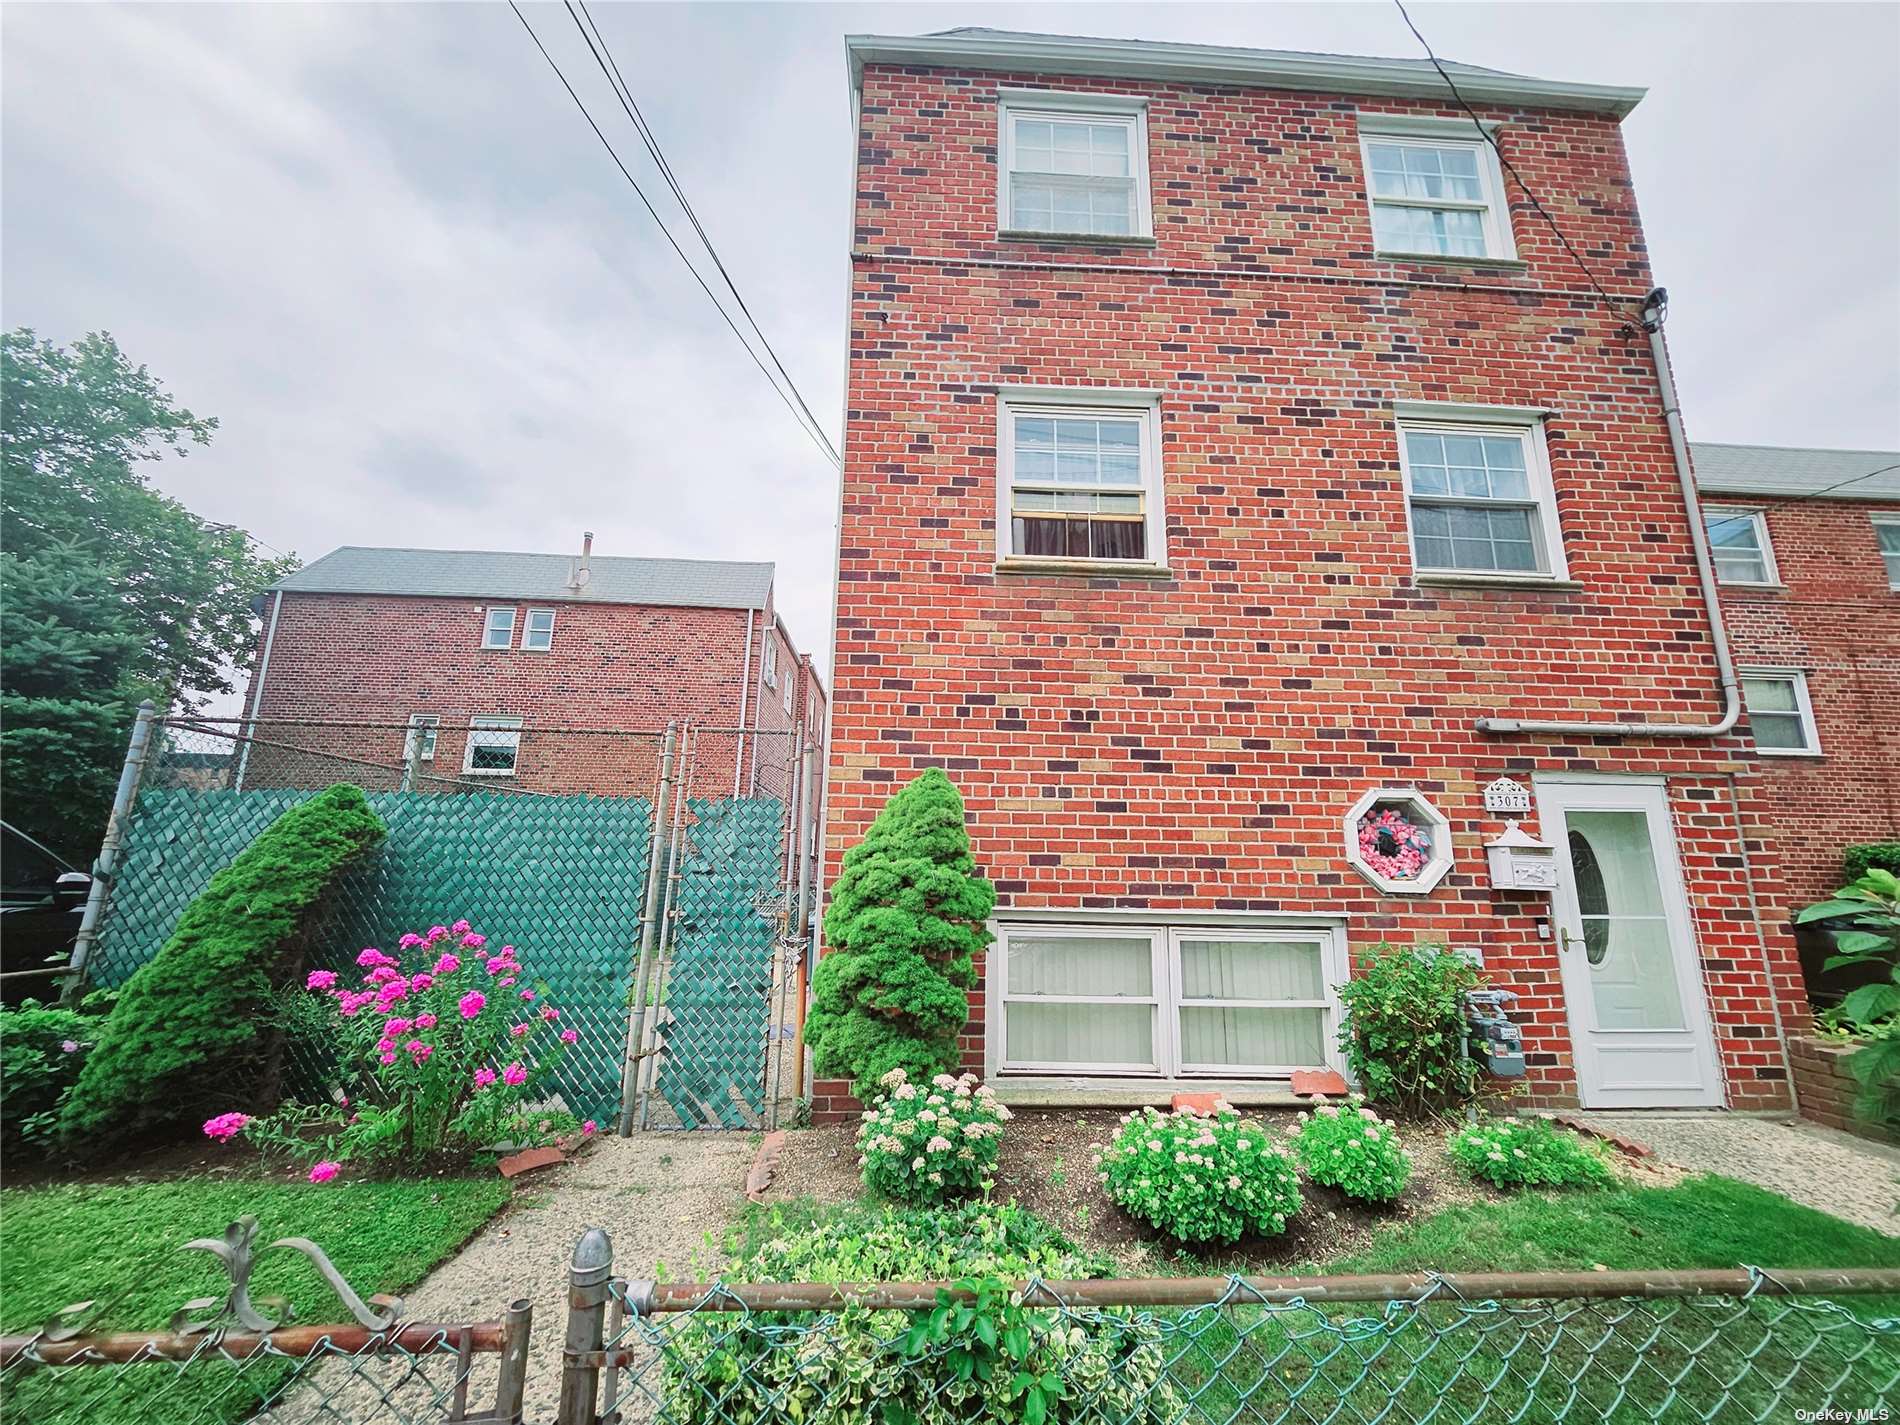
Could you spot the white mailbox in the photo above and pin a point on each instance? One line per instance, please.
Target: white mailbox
(1520, 862)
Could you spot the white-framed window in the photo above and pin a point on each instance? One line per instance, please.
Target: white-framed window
(419, 742)
(1435, 187)
(785, 696)
(768, 660)
(537, 633)
(1164, 1002)
(498, 628)
(1478, 492)
(1779, 712)
(1073, 165)
(494, 746)
(1887, 531)
(1738, 540)
(1079, 477)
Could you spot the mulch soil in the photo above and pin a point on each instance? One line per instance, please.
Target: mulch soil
(1045, 1165)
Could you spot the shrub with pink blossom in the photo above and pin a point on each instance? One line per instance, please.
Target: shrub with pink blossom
(439, 1051)
(1201, 1177)
(1351, 1148)
(927, 1143)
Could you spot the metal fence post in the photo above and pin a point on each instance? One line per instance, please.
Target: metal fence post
(649, 920)
(102, 868)
(587, 1292)
(511, 1382)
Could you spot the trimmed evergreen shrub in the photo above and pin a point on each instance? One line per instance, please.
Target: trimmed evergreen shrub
(907, 914)
(1857, 861)
(192, 1023)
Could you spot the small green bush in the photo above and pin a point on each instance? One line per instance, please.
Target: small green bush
(1857, 861)
(1404, 1029)
(906, 917)
(42, 1049)
(1351, 1148)
(975, 1365)
(927, 1143)
(1201, 1178)
(1534, 1152)
(191, 1024)
(1871, 1013)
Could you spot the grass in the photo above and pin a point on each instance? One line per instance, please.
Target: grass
(66, 1244)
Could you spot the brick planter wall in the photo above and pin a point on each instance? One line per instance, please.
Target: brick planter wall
(1823, 1086)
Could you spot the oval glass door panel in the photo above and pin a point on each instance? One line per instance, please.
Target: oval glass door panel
(1625, 924)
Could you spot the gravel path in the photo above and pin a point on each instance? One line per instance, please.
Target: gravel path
(1832, 1171)
(663, 1198)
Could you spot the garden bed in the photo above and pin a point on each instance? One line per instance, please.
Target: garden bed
(1046, 1166)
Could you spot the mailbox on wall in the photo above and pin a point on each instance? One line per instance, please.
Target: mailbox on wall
(1520, 862)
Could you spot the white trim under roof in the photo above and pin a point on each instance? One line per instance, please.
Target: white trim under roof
(1221, 64)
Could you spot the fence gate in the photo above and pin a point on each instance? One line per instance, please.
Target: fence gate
(660, 881)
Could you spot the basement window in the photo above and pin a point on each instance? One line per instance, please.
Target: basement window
(1779, 712)
(494, 746)
(1074, 165)
(1079, 479)
(1436, 188)
(498, 629)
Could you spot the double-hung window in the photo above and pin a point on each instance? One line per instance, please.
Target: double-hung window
(419, 743)
(1073, 165)
(1117, 1001)
(1738, 540)
(498, 628)
(537, 634)
(1887, 531)
(1779, 712)
(1478, 492)
(1080, 478)
(494, 746)
(1436, 188)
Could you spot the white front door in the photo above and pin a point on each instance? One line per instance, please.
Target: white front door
(1632, 981)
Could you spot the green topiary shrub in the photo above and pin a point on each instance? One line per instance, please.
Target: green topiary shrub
(42, 1049)
(1404, 1032)
(1520, 1152)
(189, 1025)
(906, 915)
(1201, 1177)
(1351, 1148)
(1857, 861)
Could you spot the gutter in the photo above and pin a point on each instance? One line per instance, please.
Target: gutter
(1653, 308)
(745, 691)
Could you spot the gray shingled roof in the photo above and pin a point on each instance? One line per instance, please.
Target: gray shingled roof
(1785, 471)
(1455, 66)
(482, 574)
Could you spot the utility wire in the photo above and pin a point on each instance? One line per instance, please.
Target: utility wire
(610, 68)
(817, 435)
(1529, 192)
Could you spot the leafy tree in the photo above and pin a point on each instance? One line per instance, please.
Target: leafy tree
(906, 917)
(113, 591)
(190, 1024)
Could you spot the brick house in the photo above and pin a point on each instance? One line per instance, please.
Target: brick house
(473, 652)
(1244, 493)
(1807, 551)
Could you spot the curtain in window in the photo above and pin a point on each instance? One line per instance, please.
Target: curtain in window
(1252, 1036)
(1105, 969)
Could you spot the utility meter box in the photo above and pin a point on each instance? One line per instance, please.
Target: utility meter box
(1520, 862)
(1494, 1040)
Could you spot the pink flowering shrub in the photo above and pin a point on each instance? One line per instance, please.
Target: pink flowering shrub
(440, 1052)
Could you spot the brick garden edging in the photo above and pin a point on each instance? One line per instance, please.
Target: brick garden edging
(1824, 1088)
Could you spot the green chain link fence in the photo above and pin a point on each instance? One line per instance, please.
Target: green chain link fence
(540, 838)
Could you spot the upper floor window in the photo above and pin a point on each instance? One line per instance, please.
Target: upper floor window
(1080, 480)
(1738, 540)
(1074, 165)
(1436, 188)
(1887, 531)
(419, 743)
(498, 631)
(768, 661)
(1478, 492)
(1779, 712)
(537, 633)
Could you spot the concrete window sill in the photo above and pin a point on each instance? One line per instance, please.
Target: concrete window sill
(1445, 259)
(1490, 581)
(1084, 568)
(1077, 239)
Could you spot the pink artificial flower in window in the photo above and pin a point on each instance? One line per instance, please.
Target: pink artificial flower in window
(320, 980)
(514, 1075)
(471, 1003)
(324, 1171)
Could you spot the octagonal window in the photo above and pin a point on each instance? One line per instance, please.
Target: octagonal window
(1398, 840)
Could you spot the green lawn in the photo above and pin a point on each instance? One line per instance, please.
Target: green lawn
(60, 1245)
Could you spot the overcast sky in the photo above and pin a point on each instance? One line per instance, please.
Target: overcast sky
(380, 245)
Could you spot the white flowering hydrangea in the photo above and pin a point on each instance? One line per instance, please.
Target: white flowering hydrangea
(927, 1143)
(1351, 1148)
(1200, 1178)
(1534, 1152)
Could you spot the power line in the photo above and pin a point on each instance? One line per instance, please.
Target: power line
(1486, 134)
(610, 67)
(812, 430)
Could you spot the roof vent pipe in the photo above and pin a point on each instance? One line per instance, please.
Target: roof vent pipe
(579, 573)
(1655, 308)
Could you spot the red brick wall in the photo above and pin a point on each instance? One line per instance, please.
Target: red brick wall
(1195, 743)
(1825, 1088)
(1836, 618)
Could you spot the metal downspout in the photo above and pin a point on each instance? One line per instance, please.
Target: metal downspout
(1653, 308)
(257, 693)
(745, 689)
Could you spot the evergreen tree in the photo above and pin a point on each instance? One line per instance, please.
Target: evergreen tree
(906, 917)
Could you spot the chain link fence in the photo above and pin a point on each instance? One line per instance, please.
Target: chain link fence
(686, 853)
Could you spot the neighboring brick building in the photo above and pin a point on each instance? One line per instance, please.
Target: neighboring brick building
(479, 651)
(1807, 547)
(1192, 527)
